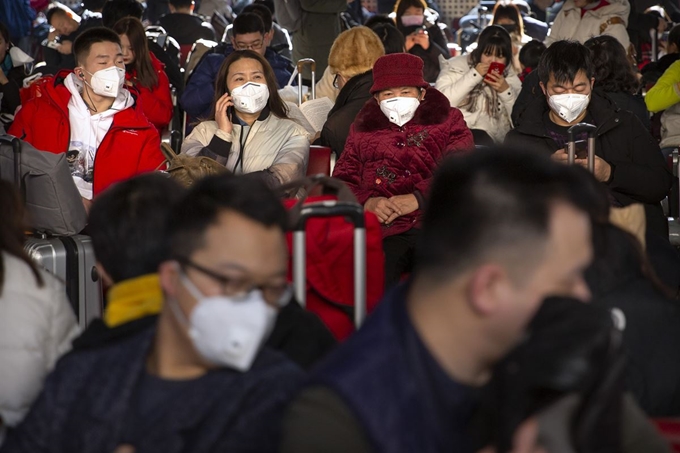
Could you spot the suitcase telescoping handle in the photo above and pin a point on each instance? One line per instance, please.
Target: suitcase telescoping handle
(16, 150)
(331, 208)
(300, 65)
(573, 132)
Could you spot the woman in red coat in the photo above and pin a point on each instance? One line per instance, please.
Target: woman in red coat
(145, 73)
(393, 149)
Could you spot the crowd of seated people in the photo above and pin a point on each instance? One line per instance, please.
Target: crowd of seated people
(492, 240)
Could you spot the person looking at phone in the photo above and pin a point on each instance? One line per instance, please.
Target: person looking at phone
(248, 129)
(483, 85)
(627, 158)
(424, 39)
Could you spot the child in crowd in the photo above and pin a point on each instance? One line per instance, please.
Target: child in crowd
(529, 56)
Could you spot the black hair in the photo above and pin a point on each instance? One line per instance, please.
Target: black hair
(247, 195)
(4, 31)
(379, 19)
(115, 10)
(13, 231)
(674, 36)
(493, 40)
(492, 198)
(128, 225)
(55, 9)
(248, 23)
(530, 53)
(504, 10)
(613, 70)
(180, 3)
(84, 41)
(392, 39)
(565, 59)
(261, 11)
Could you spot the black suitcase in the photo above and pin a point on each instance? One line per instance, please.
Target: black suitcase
(70, 258)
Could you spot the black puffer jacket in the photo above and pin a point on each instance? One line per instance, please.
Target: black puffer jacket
(350, 100)
(639, 172)
(651, 337)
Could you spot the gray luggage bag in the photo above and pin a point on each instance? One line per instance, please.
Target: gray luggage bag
(70, 258)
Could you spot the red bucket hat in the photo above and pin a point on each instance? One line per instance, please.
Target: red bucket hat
(398, 70)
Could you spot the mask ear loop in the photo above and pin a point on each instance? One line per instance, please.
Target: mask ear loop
(174, 303)
(91, 105)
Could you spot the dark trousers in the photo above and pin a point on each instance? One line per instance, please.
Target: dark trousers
(398, 251)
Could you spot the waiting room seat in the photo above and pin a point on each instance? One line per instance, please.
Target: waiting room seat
(319, 160)
(184, 50)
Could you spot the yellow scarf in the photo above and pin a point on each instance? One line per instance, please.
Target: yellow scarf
(133, 299)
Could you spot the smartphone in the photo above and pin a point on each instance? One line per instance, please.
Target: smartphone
(581, 149)
(495, 68)
(51, 44)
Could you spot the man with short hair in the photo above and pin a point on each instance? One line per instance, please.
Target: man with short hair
(503, 230)
(198, 379)
(67, 26)
(278, 37)
(89, 115)
(249, 33)
(183, 25)
(628, 160)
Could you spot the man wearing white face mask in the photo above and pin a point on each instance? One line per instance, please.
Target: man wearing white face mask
(89, 115)
(394, 145)
(198, 379)
(627, 159)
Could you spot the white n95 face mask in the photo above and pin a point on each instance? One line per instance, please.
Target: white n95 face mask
(568, 106)
(415, 20)
(251, 97)
(399, 110)
(107, 82)
(225, 331)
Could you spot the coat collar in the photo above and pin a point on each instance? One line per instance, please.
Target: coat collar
(434, 109)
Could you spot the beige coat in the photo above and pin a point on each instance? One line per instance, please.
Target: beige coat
(570, 25)
(457, 79)
(275, 144)
(37, 326)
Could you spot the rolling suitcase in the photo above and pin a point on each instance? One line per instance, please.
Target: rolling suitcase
(69, 258)
(573, 132)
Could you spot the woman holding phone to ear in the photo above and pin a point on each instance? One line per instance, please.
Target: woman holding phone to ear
(483, 85)
(248, 130)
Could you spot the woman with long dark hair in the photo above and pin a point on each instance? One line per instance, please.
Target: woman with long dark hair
(144, 73)
(248, 130)
(484, 98)
(614, 75)
(423, 36)
(37, 323)
(507, 16)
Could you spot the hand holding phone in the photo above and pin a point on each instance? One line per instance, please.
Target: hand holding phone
(496, 68)
(581, 149)
(224, 113)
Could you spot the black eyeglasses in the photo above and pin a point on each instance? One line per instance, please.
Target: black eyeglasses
(239, 288)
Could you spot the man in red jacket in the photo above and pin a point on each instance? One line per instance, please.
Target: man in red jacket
(393, 148)
(91, 117)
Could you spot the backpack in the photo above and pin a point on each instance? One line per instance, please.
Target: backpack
(288, 14)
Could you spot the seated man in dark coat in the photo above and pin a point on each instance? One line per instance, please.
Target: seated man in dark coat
(628, 160)
(197, 379)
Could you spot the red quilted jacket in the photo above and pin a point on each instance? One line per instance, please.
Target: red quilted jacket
(381, 159)
(130, 147)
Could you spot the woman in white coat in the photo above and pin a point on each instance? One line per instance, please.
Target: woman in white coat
(485, 99)
(249, 131)
(580, 20)
(37, 323)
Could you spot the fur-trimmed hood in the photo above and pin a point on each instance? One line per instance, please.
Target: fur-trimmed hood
(433, 109)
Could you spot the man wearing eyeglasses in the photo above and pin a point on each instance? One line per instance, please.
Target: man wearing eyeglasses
(199, 379)
(250, 32)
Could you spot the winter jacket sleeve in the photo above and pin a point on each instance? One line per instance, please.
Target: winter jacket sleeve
(22, 126)
(291, 160)
(217, 142)
(460, 139)
(156, 103)
(509, 96)
(456, 85)
(644, 176)
(350, 166)
(199, 92)
(619, 32)
(665, 92)
(150, 157)
(323, 6)
(555, 32)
